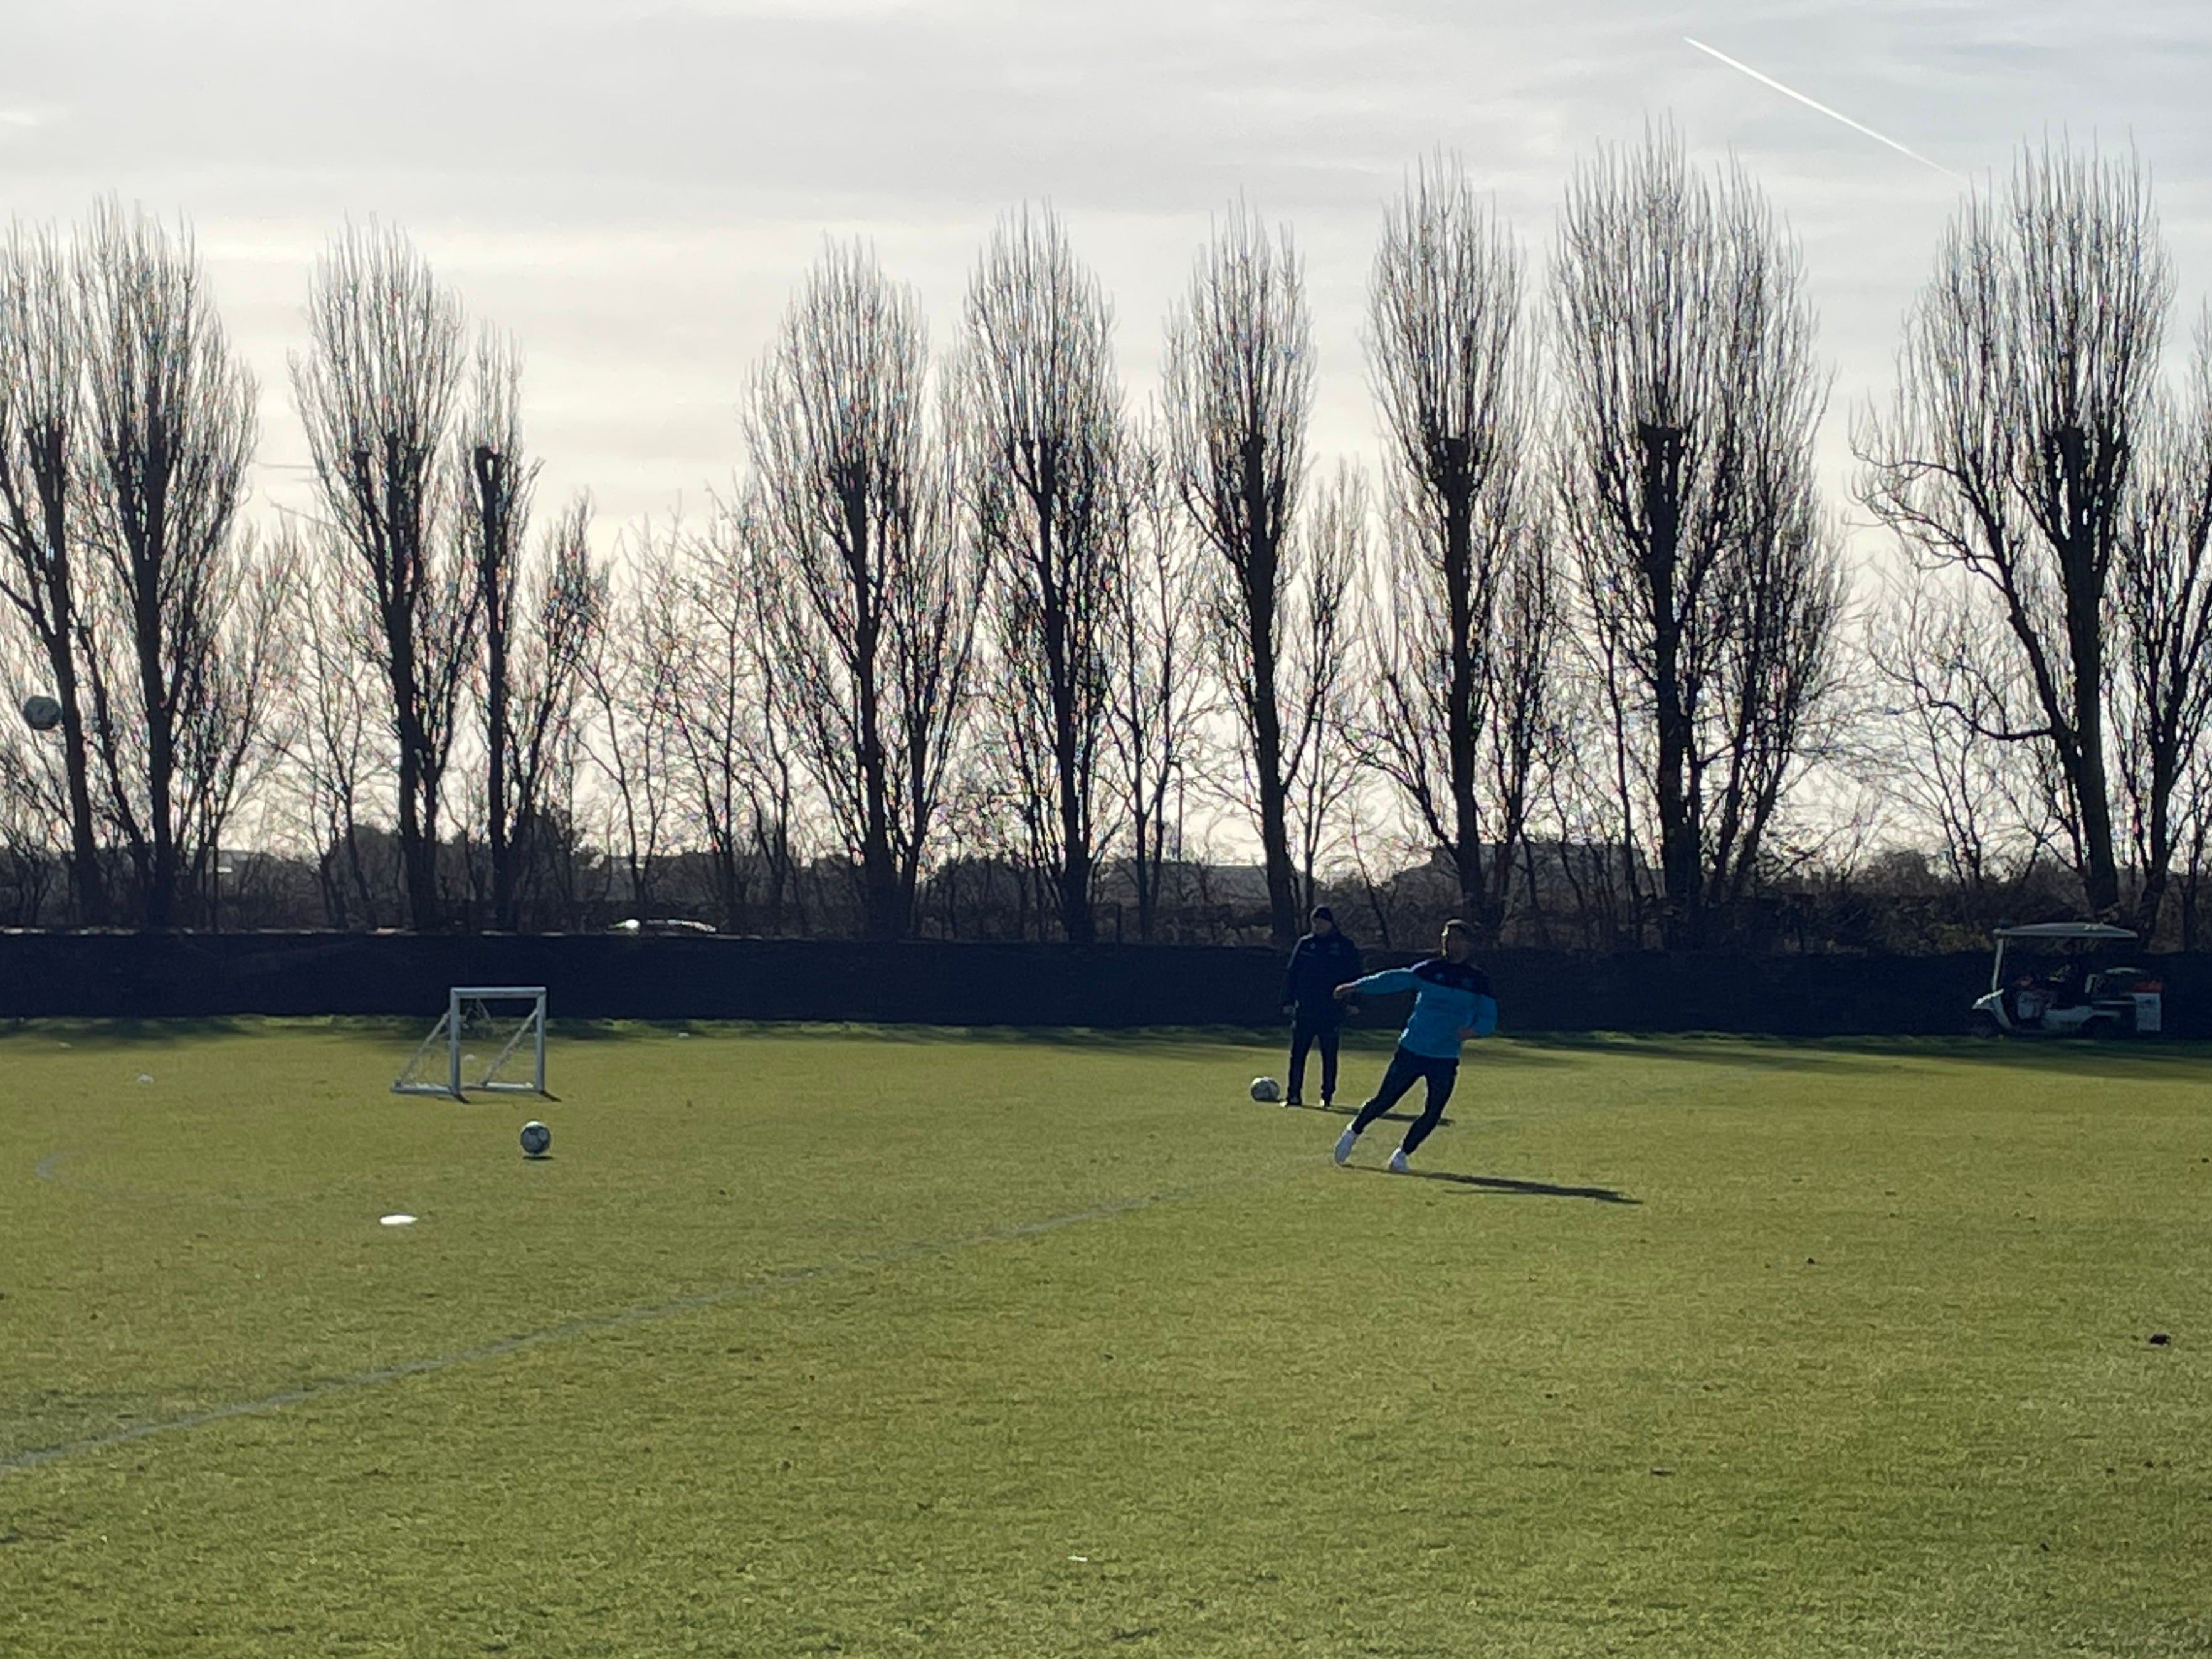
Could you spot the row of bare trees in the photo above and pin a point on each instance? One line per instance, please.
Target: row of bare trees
(430, 606)
(2048, 637)
(1590, 630)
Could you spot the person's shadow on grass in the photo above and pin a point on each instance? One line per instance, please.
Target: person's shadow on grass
(1334, 1110)
(1507, 1184)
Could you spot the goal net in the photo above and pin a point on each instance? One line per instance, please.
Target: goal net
(491, 1039)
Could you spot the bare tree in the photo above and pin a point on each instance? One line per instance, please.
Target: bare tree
(1944, 677)
(1003, 804)
(559, 632)
(375, 393)
(170, 433)
(1239, 387)
(632, 683)
(2026, 383)
(875, 594)
(1688, 398)
(2161, 619)
(495, 479)
(1590, 799)
(1000, 818)
(1159, 693)
(1321, 629)
(691, 625)
(43, 577)
(1041, 426)
(234, 733)
(1773, 684)
(1524, 738)
(739, 773)
(1463, 620)
(334, 752)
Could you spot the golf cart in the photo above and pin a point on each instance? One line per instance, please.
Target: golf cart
(2073, 997)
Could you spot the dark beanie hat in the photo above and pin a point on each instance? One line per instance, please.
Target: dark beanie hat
(1322, 913)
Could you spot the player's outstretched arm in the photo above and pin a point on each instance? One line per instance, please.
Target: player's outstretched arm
(1381, 984)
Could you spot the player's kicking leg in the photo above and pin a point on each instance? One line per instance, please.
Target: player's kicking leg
(1404, 1072)
(1441, 1074)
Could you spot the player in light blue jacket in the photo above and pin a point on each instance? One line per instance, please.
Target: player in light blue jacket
(1452, 1003)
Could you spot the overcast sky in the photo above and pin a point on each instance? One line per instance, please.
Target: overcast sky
(632, 186)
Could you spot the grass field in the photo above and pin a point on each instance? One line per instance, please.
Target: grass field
(887, 1342)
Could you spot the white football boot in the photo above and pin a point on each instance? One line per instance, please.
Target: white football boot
(1397, 1165)
(1345, 1143)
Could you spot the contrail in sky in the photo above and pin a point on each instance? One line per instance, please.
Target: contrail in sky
(1834, 115)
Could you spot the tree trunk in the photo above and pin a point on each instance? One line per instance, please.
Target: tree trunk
(1266, 716)
(1274, 818)
(1078, 924)
(1680, 859)
(1461, 734)
(161, 873)
(87, 882)
(492, 577)
(418, 855)
(2088, 509)
(879, 873)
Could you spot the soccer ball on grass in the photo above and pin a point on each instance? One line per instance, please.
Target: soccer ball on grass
(535, 1138)
(1266, 1088)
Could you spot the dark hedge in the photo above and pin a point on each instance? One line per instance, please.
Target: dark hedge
(615, 977)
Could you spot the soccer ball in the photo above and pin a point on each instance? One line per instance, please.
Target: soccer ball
(535, 1138)
(1266, 1088)
(41, 714)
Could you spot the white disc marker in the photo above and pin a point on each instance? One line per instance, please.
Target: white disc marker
(398, 1220)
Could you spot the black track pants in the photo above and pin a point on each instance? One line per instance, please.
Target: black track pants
(1307, 1030)
(1407, 1069)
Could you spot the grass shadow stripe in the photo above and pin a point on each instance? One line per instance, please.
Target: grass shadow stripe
(570, 1330)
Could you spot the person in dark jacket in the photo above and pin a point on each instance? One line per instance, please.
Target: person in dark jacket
(1320, 962)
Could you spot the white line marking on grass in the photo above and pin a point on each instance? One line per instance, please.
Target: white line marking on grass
(642, 1314)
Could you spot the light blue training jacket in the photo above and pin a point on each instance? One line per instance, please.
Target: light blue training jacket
(1448, 996)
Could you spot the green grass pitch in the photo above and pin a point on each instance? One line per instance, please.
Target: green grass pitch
(890, 1342)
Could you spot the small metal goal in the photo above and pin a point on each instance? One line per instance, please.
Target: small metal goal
(506, 1022)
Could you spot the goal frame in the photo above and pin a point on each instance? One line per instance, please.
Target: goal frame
(448, 1031)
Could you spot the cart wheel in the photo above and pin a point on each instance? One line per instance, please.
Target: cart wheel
(1984, 1025)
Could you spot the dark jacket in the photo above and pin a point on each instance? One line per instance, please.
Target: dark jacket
(1319, 963)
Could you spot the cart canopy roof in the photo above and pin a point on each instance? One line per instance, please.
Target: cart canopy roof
(2065, 930)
